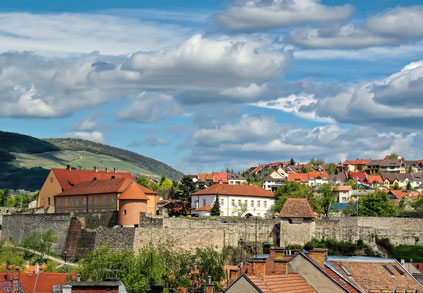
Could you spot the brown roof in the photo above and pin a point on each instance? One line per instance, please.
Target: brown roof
(340, 280)
(357, 162)
(298, 177)
(133, 191)
(296, 208)
(372, 274)
(391, 163)
(44, 281)
(241, 190)
(205, 208)
(68, 178)
(390, 176)
(205, 176)
(282, 283)
(117, 185)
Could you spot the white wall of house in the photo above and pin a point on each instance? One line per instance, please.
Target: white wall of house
(237, 181)
(230, 205)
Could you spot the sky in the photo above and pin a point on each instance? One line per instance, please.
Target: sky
(209, 85)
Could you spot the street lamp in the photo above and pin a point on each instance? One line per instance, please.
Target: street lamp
(65, 255)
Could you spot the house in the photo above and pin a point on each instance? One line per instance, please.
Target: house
(414, 166)
(235, 200)
(374, 274)
(344, 193)
(260, 169)
(220, 177)
(405, 179)
(318, 178)
(296, 208)
(358, 165)
(205, 177)
(272, 184)
(15, 281)
(389, 179)
(236, 179)
(357, 176)
(204, 211)
(374, 180)
(373, 166)
(393, 165)
(118, 194)
(418, 179)
(59, 180)
(338, 179)
(298, 177)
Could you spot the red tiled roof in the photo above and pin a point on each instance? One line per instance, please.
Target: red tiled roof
(67, 178)
(282, 283)
(205, 208)
(296, 208)
(133, 191)
(117, 185)
(298, 177)
(340, 280)
(205, 176)
(357, 162)
(241, 190)
(399, 194)
(259, 168)
(222, 176)
(44, 284)
(316, 174)
(374, 178)
(357, 175)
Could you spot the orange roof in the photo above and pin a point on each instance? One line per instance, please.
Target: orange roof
(282, 283)
(67, 178)
(205, 208)
(374, 178)
(205, 176)
(117, 185)
(44, 284)
(357, 162)
(222, 176)
(241, 190)
(344, 188)
(298, 177)
(133, 191)
(316, 174)
(399, 194)
(258, 169)
(296, 208)
(341, 281)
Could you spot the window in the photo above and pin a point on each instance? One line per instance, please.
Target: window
(95, 200)
(66, 202)
(104, 199)
(85, 201)
(398, 270)
(258, 203)
(265, 204)
(77, 202)
(51, 179)
(112, 199)
(239, 202)
(58, 202)
(345, 270)
(71, 202)
(233, 202)
(246, 203)
(90, 200)
(222, 202)
(389, 271)
(252, 203)
(204, 202)
(48, 201)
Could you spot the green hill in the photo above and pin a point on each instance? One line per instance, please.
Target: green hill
(25, 161)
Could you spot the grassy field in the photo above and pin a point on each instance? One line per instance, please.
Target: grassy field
(79, 160)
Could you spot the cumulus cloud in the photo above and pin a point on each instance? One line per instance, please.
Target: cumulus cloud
(199, 70)
(71, 33)
(391, 27)
(95, 136)
(260, 139)
(255, 15)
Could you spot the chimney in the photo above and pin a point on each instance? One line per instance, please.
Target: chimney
(115, 170)
(318, 255)
(96, 169)
(69, 168)
(107, 170)
(402, 261)
(209, 286)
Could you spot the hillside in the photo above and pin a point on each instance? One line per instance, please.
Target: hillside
(25, 161)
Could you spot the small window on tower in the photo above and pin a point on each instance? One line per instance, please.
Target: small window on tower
(51, 179)
(124, 212)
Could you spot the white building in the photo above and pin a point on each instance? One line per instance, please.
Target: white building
(235, 200)
(236, 179)
(272, 184)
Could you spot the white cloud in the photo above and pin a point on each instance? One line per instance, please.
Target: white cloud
(75, 33)
(95, 136)
(391, 27)
(254, 15)
(153, 141)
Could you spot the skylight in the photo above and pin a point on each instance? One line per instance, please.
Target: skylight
(389, 271)
(401, 272)
(345, 270)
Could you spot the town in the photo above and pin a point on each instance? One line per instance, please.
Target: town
(311, 227)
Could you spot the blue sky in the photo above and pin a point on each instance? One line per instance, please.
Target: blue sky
(209, 85)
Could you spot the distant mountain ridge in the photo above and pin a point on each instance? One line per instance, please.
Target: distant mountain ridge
(25, 161)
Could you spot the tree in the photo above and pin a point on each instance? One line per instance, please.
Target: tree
(351, 183)
(393, 156)
(4, 196)
(305, 169)
(408, 187)
(143, 181)
(185, 188)
(331, 168)
(376, 205)
(327, 198)
(293, 189)
(396, 186)
(241, 209)
(292, 161)
(41, 242)
(216, 207)
(316, 162)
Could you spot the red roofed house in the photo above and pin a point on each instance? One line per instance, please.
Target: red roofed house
(357, 176)
(375, 180)
(220, 177)
(344, 193)
(298, 177)
(118, 194)
(59, 180)
(235, 200)
(12, 281)
(317, 178)
(358, 165)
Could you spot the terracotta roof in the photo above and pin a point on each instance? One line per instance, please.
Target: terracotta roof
(344, 188)
(372, 274)
(205, 176)
(148, 191)
(399, 194)
(298, 177)
(133, 191)
(282, 283)
(117, 185)
(374, 178)
(67, 178)
(296, 208)
(357, 162)
(317, 174)
(241, 190)
(259, 168)
(205, 208)
(357, 175)
(44, 284)
(222, 176)
(341, 280)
